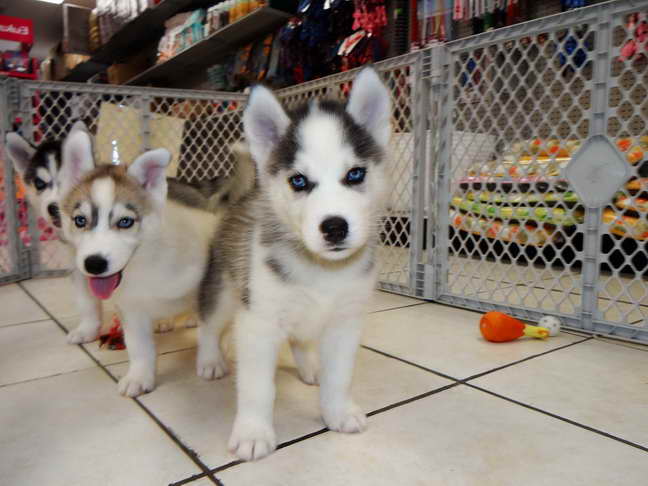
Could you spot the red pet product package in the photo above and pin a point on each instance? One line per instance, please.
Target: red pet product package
(16, 61)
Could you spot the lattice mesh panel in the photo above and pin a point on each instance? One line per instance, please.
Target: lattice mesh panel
(622, 286)
(520, 111)
(395, 249)
(9, 227)
(209, 129)
(197, 129)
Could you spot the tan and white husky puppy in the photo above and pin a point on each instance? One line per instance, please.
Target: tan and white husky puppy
(133, 243)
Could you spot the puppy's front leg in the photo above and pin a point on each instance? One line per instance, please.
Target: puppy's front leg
(89, 308)
(337, 358)
(307, 361)
(257, 346)
(138, 333)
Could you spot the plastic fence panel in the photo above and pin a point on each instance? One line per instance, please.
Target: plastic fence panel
(208, 130)
(14, 260)
(519, 109)
(622, 285)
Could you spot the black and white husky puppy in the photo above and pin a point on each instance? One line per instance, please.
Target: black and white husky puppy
(38, 167)
(295, 260)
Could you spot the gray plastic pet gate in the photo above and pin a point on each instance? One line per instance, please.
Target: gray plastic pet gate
(518, 165)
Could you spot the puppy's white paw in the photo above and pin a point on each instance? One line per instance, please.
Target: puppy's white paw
(83, 334)
(163, 325)
(309, 374)
(210, 363)
(136, 382)
(211, 369)
(252, 440)
(191, 321)
(349, 419)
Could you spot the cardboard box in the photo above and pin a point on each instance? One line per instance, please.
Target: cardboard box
(63, 63)
(120, 73)
(76, 29)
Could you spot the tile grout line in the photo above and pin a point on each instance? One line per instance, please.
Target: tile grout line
(38, 378)
(191, 479)
(25, 322)
(559, 417)
(185, 449)
(165, 353)
(411, 363)
(400, 307)
(413, 399)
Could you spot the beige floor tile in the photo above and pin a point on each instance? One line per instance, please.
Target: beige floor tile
(17, 307)
(626, 344)
(202, 412)
(447, 340)
(386, 300)
(35, 350)
(595, 383)
(56, 295)
(201, 482)
(75, 430)
(457, 437)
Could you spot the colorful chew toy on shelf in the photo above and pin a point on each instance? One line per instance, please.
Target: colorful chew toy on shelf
(498, 327)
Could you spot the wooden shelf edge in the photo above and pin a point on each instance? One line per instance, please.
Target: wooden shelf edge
(137, 30)
(254, 24)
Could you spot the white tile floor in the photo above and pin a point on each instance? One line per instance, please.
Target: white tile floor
(445, 408)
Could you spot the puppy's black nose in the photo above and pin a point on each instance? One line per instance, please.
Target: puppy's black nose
(335, 229)
(53, 210)
(96, 264)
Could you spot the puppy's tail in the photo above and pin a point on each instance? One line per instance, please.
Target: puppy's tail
(242, 179)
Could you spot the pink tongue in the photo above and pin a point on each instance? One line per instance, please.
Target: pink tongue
(103, 287)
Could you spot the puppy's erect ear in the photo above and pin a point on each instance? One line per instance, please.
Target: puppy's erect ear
(20, 152)
(264, 122)
(149, 169)
(370, 105)
(77, 159)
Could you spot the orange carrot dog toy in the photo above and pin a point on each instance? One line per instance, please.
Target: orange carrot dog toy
(499, 327)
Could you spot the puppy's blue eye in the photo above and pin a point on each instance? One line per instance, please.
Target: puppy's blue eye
(80, 221)
(125, 223)
(355, 175)
(39, 184)
(298, 182)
